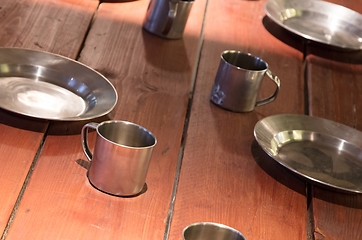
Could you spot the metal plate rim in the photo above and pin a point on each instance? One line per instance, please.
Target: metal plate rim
(65, 60)
(304, 35)
(265, 146)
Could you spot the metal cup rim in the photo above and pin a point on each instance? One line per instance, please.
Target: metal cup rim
(211, 224)
(126, 122)
(243, 53)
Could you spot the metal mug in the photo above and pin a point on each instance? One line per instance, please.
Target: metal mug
(238, 81)
(210, 231)
(121, 156)
(167, 18)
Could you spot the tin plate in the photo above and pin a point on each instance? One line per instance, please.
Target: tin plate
(320, 150)
(320, 21)
(49, 86)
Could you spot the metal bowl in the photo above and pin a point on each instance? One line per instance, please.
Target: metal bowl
(48, 86)
(320, 21)
(318, 149)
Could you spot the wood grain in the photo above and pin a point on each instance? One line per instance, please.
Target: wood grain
(334, 79)
(41, 25)
(335, 93)
(152, 77)
(225, 176)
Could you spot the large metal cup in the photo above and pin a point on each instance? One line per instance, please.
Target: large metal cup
(210, 231)
(167, 18)
(121, 156)
(238, 81)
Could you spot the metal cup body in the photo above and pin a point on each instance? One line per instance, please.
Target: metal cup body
(210, 231)
(238, 81)
(121, 157)
(167, 18)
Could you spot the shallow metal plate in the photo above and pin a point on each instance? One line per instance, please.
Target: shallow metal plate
(320, 150)
(49, 86)
(319, 21)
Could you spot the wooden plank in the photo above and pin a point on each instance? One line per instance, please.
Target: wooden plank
(335, 89)
(337, 215)
(152, 77)
(335, 94)
(334, 79)
(225, 176)
(41, 25)
(57, 26)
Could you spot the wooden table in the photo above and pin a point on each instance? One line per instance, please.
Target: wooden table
(206, 166)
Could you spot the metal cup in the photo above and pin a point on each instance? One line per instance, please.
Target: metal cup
(121, 156)
(167, 18)
(238, 81)
(210, 231)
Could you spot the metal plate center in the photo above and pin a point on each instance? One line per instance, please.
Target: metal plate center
(48, 86)
(322, 157)
(39, 98)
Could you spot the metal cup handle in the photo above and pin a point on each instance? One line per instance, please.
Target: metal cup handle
(173, 5)
(276, 80)
(84, 138)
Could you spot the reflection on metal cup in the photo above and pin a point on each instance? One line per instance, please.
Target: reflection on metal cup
(238, 81)
(210, 231)
(167, 18)
(121, 156)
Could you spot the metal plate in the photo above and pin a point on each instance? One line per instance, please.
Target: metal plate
(320, 150)
(49, 86)
(319, 21)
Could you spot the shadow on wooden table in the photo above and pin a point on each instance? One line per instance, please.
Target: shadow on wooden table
(277, 171)
(350, 200)
(284, 35)
(22, 122)
(40, 125)
(158, 50)
(74, 127)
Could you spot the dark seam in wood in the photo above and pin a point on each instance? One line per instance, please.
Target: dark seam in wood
(185, 130)
(25, 185)
(305, 73)
(310, 213)
(36, 157)
(87, 32)
(309, 186)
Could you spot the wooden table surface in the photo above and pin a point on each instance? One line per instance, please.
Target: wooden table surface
(206, 166)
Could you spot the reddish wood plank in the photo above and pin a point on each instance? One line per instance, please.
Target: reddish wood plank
(225, 176)
(56, 26)
(335, 90)
(337, 215)
(152, 76)
(42, 25)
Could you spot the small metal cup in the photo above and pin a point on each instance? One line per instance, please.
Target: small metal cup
(121, 156)
(167, 18)
(238, 81)
(210, 231)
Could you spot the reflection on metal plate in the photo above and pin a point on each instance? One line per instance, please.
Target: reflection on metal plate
(49, 86)
(321, 150)
(319, 21)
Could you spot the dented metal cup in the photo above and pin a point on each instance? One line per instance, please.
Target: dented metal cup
(167, 18)
(238, 81)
